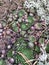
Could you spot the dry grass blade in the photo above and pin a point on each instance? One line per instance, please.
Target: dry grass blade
(35, 62)
(25, 58)
(31, 60)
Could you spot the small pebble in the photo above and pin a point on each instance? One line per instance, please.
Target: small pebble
(3, 51)
(8, 31)
(13, 52)
(11, 60)
(16, 15)
(9, 46)
(26, 20)
(32, 28)
(19, 64)
(0, 34)
(1, 30)
(2, 56)
(31, 14)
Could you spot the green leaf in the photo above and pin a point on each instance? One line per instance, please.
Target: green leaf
(4, 24)
(32, 38)
(30, 19)
(14, 26)
(37, 49)
(41, 40)
(27, 52)
(15, 29)
(21, 60)
(21, 13)
(2, 62)
(9, 54)
(47, 48)
(24, 26)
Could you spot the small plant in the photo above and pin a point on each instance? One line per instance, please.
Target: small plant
(24, 35)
